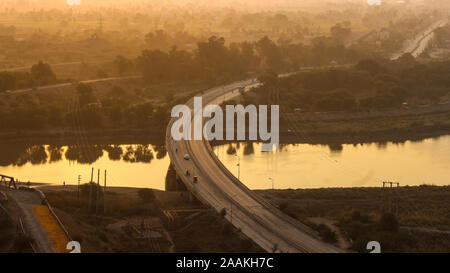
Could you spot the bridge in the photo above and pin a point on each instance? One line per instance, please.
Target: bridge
(218, 188)
(419, 44)
(7, 181)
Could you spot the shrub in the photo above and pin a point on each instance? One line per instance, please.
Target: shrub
(388, 222)
(147, 195)
(327, 234)
(86, 190)
(226, 228)
(359, 216)
(78, 238)
(283, 207)
(223, 212)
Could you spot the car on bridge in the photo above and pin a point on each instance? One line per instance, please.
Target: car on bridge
(187, 157)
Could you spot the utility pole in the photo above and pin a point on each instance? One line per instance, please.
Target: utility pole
(396, 199)
(390, 198)
(90, 190)
(271, 179)
(231, 208)
(104, 196)
(98, 192)
(388, 186)
(78, 189)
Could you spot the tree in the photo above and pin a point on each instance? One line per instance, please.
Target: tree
(370, 66)
(269, 53)
(154, 65)
(407, 60)
(117, 91)
(85, 94)
(327, 234)
(90, 190)
(157, 40)
(116, 114)
(122, 64)
(42, 73)
(269, 79)
(55, 115)
(339, 33)
(388, 222)
(91, 116)
(147, 195)
(7, 81)
(213, 56)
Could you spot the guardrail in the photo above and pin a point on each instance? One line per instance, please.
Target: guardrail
(259, 199)
(24, 232)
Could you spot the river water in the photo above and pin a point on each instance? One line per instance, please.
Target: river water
(292, 166)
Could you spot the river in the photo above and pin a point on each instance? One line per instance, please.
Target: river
(291, 166)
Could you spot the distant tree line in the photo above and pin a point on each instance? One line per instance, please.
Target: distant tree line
(214, 61)
(35, 111)
(370, 84)
(40, 74)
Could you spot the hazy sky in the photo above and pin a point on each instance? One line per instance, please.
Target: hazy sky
(235, 4)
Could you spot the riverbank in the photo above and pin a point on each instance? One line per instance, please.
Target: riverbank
(172, 221)
(287, 135)
(102, 136)
(345, 216)
(373, 129)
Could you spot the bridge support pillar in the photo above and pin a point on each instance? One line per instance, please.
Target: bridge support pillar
(173, 181)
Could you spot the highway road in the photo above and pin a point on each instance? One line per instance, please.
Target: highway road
(24, 90)
(268, 227)
(420, 43)
(18, 68)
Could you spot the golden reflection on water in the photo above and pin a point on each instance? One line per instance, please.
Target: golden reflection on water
(291, 166)
(318, 166)
(119, 172)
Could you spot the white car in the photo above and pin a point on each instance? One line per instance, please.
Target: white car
(187, 157)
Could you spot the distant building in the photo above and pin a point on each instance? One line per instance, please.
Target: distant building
(74, 2)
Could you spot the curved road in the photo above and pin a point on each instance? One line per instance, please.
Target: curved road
(218, 187)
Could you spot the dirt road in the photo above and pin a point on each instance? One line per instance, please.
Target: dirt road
(25, 201)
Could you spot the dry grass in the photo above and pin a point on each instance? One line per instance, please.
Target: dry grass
(421, 210)
(52, 228)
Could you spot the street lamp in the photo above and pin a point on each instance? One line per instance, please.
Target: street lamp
(239, 166)
(271, 179)
(231, 208)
